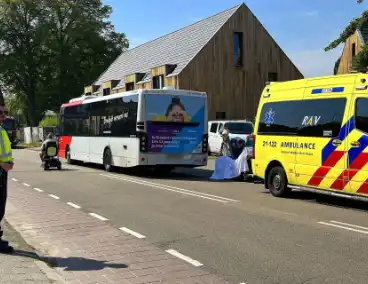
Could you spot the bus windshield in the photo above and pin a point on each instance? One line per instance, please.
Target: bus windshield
(240, 127)
(175, 124)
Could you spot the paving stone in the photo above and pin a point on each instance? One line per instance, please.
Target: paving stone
(75, 244)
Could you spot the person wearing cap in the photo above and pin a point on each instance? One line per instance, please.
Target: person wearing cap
(50, 138)
(6, 164)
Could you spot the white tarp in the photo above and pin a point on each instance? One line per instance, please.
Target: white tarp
(227, 168)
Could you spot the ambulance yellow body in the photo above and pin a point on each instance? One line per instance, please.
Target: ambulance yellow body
(312, 135)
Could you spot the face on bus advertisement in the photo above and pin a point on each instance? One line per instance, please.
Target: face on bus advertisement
(175, 124)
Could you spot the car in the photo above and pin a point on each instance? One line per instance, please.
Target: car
(237, 129)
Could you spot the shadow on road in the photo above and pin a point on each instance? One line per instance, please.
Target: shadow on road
(328, 200)
(71, 263)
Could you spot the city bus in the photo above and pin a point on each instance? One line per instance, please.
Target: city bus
(157, 128)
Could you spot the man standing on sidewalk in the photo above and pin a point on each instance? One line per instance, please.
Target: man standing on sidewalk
(6, 164)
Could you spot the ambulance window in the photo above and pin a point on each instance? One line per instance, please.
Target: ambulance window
(361, 115)
(279, 118)
(321, 118)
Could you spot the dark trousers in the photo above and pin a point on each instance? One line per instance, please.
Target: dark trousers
(3, 196)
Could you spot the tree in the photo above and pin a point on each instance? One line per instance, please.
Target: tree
(51, 49)
(79, 33)
(361, 59)
(21, 36)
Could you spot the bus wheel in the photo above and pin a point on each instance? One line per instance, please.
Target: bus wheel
(277, 182)
(107, 160)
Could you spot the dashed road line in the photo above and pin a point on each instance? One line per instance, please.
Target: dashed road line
(184, 257)
(98, 216)
(173, 189)
(126, 230)
(54, 196)
(14, 179)
(346, 226)
(38, 189)
(26, 184)
(73, 205)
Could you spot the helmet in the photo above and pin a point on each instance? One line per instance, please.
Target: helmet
(50, 136)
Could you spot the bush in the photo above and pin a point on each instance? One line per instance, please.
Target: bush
(51, 120)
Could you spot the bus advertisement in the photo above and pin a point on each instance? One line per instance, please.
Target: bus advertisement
(154, 128)
(175, 125)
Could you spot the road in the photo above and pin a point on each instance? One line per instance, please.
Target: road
(233, 229)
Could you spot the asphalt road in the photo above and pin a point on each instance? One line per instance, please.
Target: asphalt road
(235, 229)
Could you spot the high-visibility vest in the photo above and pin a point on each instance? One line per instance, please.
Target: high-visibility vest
(5, 147)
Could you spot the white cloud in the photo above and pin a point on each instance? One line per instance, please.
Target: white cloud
(314, 63)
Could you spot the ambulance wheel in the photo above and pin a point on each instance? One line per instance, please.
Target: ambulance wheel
(277, 182)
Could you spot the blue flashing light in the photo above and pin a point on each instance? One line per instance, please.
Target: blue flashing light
(328, 90)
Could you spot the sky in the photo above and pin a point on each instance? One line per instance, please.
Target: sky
(302, 28)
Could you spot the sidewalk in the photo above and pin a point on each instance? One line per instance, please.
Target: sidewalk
(84, 249)
(17, 269)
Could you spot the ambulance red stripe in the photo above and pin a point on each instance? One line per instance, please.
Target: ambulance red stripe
(364, 187)
(322, 171)
(348, 174)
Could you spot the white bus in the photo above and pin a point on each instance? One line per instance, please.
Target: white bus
(164, 128)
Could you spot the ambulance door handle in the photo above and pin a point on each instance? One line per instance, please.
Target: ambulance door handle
(125, 147)
(355, 144)
(336, 142)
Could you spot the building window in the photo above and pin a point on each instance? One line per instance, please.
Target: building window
(238, 49)
(158, 82)
(272, 77)
(220, 115)
(129, 86)
(353, 50)
(106, 92)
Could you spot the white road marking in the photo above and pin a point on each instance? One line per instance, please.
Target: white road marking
(126, 230)
(98, 216)
(73, 205)
(184, 257)
(14, 179)
(344, 227)
(38, 189)
(26, 184)
(54, 196)
(174, 189)
(350, 225)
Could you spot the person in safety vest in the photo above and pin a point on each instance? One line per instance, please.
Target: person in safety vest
(6, 164)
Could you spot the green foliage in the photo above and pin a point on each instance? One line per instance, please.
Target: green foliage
(360, 61)
(49, 120)
(348, 31)
(336, 67)
(51, 49)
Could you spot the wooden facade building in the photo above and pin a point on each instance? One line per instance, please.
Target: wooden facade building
(230, 56)
(352, 47)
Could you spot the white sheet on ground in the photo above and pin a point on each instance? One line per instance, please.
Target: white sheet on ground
(227, 168)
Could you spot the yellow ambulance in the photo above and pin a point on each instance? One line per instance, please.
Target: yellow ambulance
(312, 135)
